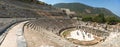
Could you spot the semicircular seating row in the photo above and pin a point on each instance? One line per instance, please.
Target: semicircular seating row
(55, 26)
(50, 24)
(44, 32)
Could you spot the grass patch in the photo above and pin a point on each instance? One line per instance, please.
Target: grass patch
(66, 33)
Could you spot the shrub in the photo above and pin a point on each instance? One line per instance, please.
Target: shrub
(87, 18)
(26, 0)
(41, 3)
(99, 19)
(112, 20)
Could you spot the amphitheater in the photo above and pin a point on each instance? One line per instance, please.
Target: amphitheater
(32, 25)
(51, 33)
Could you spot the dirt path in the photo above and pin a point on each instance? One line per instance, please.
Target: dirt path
(11, 37)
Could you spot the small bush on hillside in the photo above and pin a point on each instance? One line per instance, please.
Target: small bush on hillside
(100, 18)
(112, 20)
(87, 18)
(28, 1)
(34, 1)
(41, 3)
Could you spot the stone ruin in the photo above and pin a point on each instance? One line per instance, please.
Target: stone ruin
(41, 32)
(59, 25)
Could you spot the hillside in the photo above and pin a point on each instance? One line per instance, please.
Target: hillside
(84, 10)
(20, 9)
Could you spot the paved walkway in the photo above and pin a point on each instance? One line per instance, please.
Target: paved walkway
(13, 36)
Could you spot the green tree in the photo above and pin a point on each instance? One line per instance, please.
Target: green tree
(41, 3)
(87, 18)
(112, 20)
(28, 1)
(100, 18)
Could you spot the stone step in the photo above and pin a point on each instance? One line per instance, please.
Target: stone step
(37, 28)
(27, 24)
(30, 24)
(33, 26)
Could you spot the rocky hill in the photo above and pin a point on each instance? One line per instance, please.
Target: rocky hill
(20, 9)
(84, 10)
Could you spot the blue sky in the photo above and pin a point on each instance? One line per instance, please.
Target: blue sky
(113, 5)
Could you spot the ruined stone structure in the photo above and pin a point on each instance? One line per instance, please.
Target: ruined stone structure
(34, 25)
(46, 32)
(68, 12)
